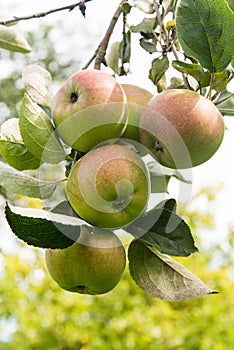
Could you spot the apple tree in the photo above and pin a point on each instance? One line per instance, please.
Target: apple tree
(114, 147)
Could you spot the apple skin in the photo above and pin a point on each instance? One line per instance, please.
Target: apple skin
(137, 98)
(88, 109)
(94, 264)
(181, 128)
(109, 186)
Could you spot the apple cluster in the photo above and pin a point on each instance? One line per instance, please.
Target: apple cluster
(113, 126)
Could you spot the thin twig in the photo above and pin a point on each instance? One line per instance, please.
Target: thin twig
(43, 14)
(101, 50)
(165, 32)
(124, 45)
(227, 111)
(224, 99)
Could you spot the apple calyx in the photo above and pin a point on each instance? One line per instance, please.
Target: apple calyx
(74, 97)
(158, 147)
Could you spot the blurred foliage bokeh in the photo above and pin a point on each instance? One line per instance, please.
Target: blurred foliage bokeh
(36, 314)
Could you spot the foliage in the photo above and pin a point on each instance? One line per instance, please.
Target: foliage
(197, 41)
(50, 318)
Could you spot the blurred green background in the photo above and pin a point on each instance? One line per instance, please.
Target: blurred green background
(36, 314)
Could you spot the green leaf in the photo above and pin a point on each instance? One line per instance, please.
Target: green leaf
(148, 45)
(42, 228)
(162, 227)
(176, 83)
(193, 69)
(227, 106)
(168, 204)
(167, 6)
(126, 8)
(144, 5)
(147, 25)
(112, 57)
(156, 169)
(158, 67)
(205, 30)
(13, 149)
(19, 183)
(162, 277)
(12, 41)
(127, 48)
(38, 133)
(220, 81)
(37, 82)
(159, 184)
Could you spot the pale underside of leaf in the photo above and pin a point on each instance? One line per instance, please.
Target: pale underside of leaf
(43, 229)
(38, 133)
(47, 215)
(21, 183)
(162, 277)
(37, 82)
(12, 41)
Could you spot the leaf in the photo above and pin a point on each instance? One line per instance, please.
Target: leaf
(220, 81)
(169, 204)
(13, 149)
(147, 25)
(148, 45)
(127, 48)
(37, 82)
(176, 83)
(20, 183)
(156, 169)
(162, 277)
(163, 228)
(205, 30)
(159, 184)
(158, 67)
(144, 5)
(38, 133)
(42, 228)
(12, 41)
(227, 106)
(112, 57)
(167, 5)
(126, 8)
(193, 69)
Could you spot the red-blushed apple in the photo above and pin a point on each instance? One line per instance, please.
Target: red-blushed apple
(88, 109)
(181, 128)
(137, 97)
(109, 186)
(94, 264)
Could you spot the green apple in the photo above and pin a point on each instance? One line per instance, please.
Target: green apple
(181, 128)
(94, 264)
(109, 186)
(88, 109)
(137, 98)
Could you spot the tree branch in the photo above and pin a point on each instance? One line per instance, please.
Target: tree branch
(101, 50)
(43, 14)
(164, 30)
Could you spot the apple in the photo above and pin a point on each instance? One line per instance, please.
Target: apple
(109, 186)
(181, 128)
(88, 109)
(137, 98)
(94, 264)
